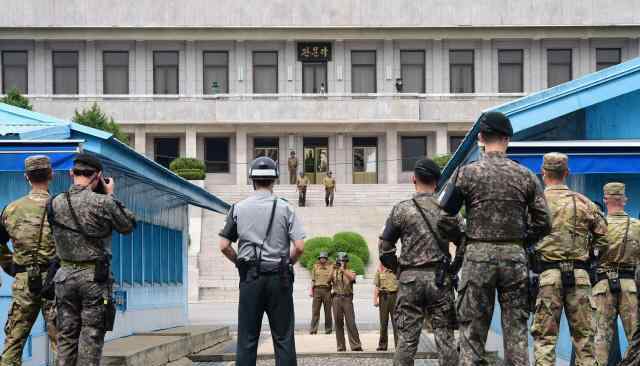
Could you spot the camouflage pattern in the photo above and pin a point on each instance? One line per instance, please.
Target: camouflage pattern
(23, 313)
(505, 204)
(36, 162)
(80, 299)
(554, 161)
(552, 298)
(632, 357)
(24, 220)
(419, 246)
(618, 254)
(614, 189)
(81, 316)
(488, 267)
(321, 280)
(577, 224)
(343, 311)
(418, 296)
(608, 307)
(387, 284)
(496, 184)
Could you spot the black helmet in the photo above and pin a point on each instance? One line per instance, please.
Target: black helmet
(496, 122)
(263, 168)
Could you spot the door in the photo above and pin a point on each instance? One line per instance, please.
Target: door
(314, 77)
(316, 159)
(166, 150)
(365, 160)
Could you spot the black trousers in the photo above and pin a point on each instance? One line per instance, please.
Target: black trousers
(257, 296)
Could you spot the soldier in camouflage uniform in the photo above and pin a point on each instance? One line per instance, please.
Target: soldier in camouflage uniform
(24, 221)
(616, 293)
(632, 358)
(563, 258)
(321, 293)
(82, 222)
(421, 259)
(505, 208)
(385, 294)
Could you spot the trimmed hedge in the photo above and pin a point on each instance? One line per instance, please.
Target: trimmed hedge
(312, 249)
(351, 242)
(188, 168)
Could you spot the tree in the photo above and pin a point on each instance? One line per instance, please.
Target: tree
(16, 99)
(442, 160)
(96, 118)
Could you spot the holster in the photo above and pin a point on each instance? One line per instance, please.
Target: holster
(567, 273)
(34, 279)
(614, 282)
(533, 289)
(285, 272)
(246, 269)
(101, 274)
(109, 313)
(49, 288)
(441, 274)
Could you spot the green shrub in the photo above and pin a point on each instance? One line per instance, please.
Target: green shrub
(356, 264)
(188, 168)
(96, 118)
(351, 242)
(312, 249)
(14, 98)
(442, 160)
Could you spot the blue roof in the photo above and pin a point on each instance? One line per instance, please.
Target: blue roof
(20, 124)
(551, 103)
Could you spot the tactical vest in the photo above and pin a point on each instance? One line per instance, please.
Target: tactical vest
(387, 281)
(322, 274)
(341, 284)
(623, 236)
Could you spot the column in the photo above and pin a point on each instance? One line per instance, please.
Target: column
(241, 71)
(140, 68)
(241, 157)
(439, 69)
(40, 63)
(190, 68)
(392, 156)
(191, 142)
(583, 59)
(484, 81)
(141, 140)
(388, 85)
(90, 83)
(535, 65)
(290, 67)
(442, 141)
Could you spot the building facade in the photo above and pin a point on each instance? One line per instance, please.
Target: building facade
(362, 89)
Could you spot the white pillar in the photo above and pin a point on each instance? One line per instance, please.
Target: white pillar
(39, 86)
(140, 68)
(389, 80)
(240, 82)
(442, 141)
(392, 156)
(190, 69)
(290, 67)
(191, 142)
(241, 157)
(535, 65)
(141, 140)
(583, 59)
(484, 82)
(340, 68)
(90, 84)
(440, 70)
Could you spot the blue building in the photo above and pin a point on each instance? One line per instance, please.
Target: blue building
(595, 120)
(150, 265)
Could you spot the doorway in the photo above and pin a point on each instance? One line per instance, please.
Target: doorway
(314, 77)
(166, 149)
(365, 160)
(316, 158)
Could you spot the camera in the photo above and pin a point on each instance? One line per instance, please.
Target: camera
(100, 188)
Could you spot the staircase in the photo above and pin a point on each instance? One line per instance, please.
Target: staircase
(360, 208)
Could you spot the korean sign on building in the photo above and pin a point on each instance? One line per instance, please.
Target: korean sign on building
(314, 51)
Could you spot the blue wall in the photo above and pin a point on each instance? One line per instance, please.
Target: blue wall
(615, 118)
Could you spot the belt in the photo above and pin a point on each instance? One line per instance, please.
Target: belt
(427, 266)
(78, 264)
(322, 286)
(18, 268)
(518, 241)
(545, 266)
(384, 292)
(621, 274)
(343, 295)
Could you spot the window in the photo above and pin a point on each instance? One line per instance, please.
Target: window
(314, 77)
(265, 72)
(454, 143)
(412, 71)
(216, 72)
(606, 57)
(413, 149)
(510, 71)
(216, 154)
(559, 67)
(115, 71)
(363, 72)
(267, 146)
(166, 150)
(461, 71)
(165, 72)
(14, 71)
(65, 72)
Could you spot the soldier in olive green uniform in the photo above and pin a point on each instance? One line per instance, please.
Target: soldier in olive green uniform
(616, 293)
(24, 221)
(563, 257)
(321, 293)
(342, 280)
(329, 183)
(384, 297)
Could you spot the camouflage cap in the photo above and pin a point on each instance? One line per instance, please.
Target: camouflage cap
(323, 255)
(84, 161)
(36, 162)
(614, 189)
(555, 162)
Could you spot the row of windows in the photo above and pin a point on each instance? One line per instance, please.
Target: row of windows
(314, 74)
(216, 150)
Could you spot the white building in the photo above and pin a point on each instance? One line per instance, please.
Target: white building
(225, 80)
